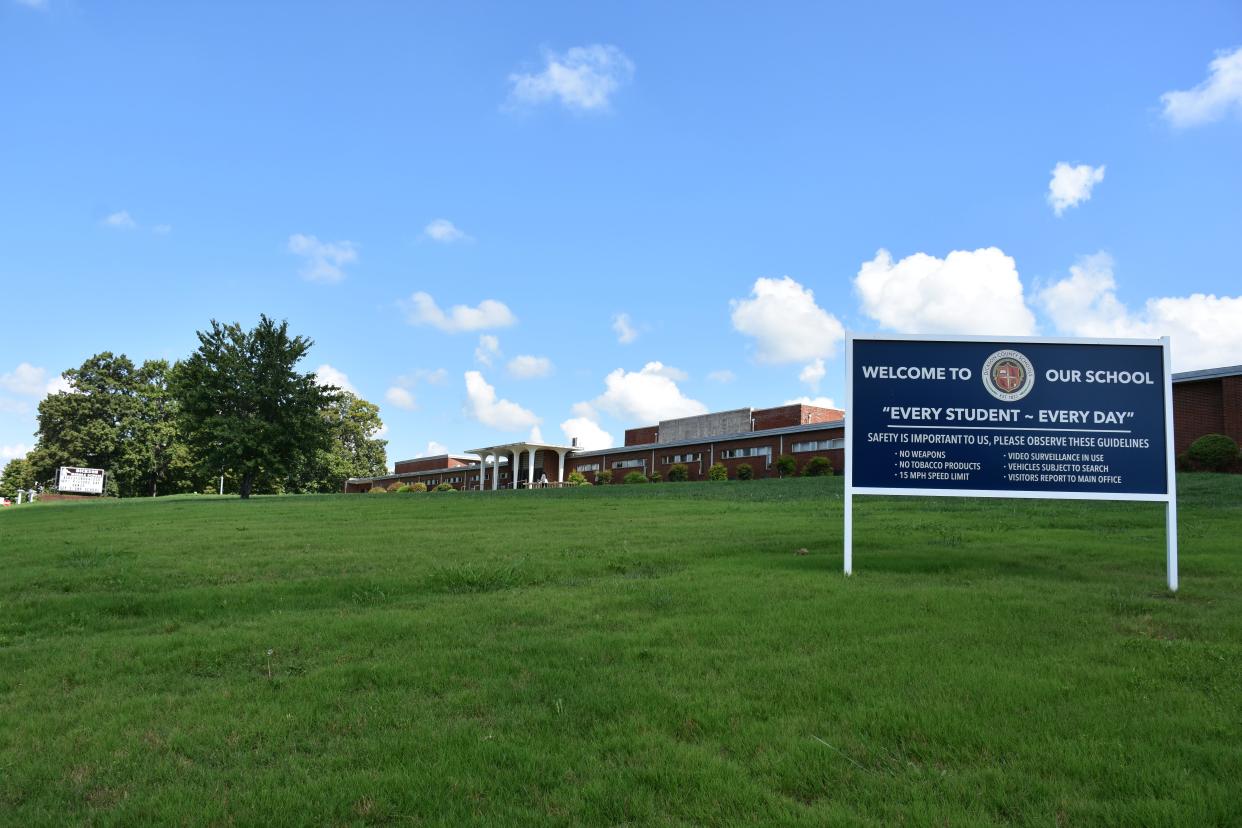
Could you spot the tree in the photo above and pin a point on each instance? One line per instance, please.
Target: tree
(1214, 452)
(244, 406)
(786, 465)
(353, 451)
(817, 467)
(17, 474)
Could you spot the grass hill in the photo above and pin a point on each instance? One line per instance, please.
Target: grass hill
(646, 654)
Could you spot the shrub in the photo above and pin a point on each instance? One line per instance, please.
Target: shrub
(445, 487)
(403, 488)
(786, 465)
(577, 478)
(378, 490)
(656, 477)
(1214, 452)
(635, 477)
(603, 478)
(745, 472)
(393, 487)
(718, 472)
(817, 467)
(678, 473)
(418, 487)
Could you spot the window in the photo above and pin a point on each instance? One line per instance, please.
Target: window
(586, 467)
(753, 451)
(629, 464)
(454, 480)
(681, 458)
(820, 445)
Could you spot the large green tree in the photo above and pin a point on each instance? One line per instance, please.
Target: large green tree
(353, 451)
(118, 417)
(17, 474)
(245, 409)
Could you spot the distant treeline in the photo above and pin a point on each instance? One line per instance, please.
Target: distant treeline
(238, 406)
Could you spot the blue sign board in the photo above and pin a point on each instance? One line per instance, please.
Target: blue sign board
(1003, 418)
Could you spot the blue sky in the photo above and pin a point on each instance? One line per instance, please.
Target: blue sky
(742, 183)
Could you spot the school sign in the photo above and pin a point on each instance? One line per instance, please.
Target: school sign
(1020, 417)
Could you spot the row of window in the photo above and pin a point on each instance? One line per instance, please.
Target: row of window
(725, 454)
(752, 451)
(819, 445)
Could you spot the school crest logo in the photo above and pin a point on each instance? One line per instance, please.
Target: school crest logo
(1008, 375)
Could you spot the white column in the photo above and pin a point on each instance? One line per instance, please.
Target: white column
(495, 471)
(530, 468)
(517, 462)
(560, 473)
(482, 472)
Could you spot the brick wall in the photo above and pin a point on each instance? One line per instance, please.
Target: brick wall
(642, 436)
(1198, 409)
(427, 464)
(792, 415)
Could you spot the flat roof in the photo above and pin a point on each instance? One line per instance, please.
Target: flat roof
(1208, 373)
(470, 457)
(720, 438)
(717, 438)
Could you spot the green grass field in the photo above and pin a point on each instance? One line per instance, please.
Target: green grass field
(631, 655)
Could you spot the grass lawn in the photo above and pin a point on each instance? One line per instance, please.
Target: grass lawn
(642, 655)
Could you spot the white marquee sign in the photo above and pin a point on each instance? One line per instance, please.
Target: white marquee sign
(80, 481)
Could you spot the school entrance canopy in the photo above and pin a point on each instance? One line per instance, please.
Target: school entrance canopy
(537, 467)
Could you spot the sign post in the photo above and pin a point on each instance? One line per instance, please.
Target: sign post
(1021, 417)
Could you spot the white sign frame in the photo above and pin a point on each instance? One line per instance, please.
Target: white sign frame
(74, 480)
(1169, 498)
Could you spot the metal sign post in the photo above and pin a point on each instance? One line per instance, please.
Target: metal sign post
(1020, 417)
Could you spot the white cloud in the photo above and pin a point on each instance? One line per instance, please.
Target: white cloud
(14, 452)
(488, 349)
(646, 396)
(785, 322)
(590, 435)
(967, 292)
(8, 406)
(433, 449)
(423, 310)
(380, 432)
(323, 261)
(584, 409)
(33, 4)
(1205, 330)
(1071, 186)
(444, 231)
(624, 330)
(584, 78)
(120, 220)
(58, 385)
(722, 376)
(812, 374)
(536, 435)
(822, 402)
(26, 380)
(525, 366)
(1211, 100)
(497, 413)
(327, 375)
(400, 398)
(435, 377)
